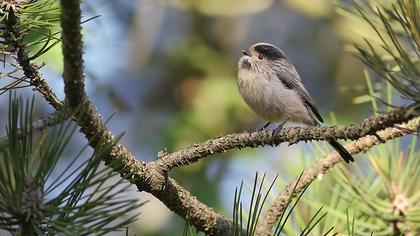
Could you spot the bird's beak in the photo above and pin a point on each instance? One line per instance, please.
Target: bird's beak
(245, 53)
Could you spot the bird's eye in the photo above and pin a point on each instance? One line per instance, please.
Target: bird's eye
(260, 57)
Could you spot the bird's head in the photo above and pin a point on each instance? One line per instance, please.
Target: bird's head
(261, 56)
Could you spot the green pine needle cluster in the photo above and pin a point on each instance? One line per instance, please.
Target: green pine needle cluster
(37, 21)
(395, 55)
(378, 196)
(39, 195)
(245, 219)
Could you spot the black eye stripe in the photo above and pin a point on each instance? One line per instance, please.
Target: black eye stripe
(270, 52)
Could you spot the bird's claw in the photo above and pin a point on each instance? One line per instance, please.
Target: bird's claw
(265, 126)
(279, 128)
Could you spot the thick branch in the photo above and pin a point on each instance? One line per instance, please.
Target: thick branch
(172, 195)
(72, 51)
(84, 112)
(292, 135)
(269, 219)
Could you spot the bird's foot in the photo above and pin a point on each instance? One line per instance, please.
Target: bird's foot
(265, 126)
(279, 128)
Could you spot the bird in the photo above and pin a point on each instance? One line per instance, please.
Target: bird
(271, 86)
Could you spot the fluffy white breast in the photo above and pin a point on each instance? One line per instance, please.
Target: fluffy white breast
(266, 95)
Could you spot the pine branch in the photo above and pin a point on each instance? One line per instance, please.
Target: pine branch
(14, 38)
(292, 135)
(269, 219)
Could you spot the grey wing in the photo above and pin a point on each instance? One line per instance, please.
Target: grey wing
(291, 80)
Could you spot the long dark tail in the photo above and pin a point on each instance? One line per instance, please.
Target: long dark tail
(347, 157)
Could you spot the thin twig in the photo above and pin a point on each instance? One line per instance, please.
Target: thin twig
(14, 38)
(41, 124)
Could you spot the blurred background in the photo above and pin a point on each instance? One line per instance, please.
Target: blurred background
(166, 71)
